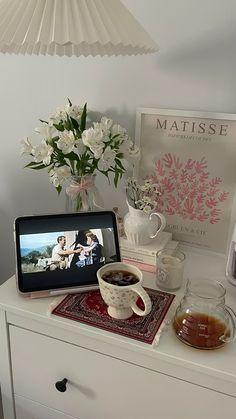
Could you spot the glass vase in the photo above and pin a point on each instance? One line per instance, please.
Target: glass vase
(82, 195)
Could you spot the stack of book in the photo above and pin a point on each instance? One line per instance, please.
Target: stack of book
(144, 257)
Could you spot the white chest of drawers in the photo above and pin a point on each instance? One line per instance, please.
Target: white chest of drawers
(109, 377)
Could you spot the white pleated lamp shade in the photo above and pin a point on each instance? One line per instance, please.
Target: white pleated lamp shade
(71, 27)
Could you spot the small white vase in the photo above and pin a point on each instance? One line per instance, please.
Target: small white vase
(140, 227)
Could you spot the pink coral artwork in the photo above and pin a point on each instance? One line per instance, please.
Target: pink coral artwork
(188, 190)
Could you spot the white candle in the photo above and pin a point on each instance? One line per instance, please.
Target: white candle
(170, 270)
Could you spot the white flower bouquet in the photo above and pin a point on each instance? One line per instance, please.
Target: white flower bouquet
(69, 150)
(143, 197)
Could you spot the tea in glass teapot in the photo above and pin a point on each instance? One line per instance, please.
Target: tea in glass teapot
(202, 319)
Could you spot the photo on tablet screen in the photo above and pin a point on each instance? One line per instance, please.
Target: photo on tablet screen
(55, 252)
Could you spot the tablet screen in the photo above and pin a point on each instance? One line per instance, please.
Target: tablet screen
(65, 250)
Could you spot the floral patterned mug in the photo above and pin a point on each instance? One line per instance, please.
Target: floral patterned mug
(120, 295)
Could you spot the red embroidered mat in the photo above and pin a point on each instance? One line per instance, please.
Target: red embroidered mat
(90, 308)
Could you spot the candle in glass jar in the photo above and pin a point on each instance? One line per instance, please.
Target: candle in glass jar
(170, 267)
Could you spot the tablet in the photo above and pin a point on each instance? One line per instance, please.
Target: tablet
(57, 254)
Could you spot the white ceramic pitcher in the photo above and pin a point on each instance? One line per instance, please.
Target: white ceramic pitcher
(141, 227)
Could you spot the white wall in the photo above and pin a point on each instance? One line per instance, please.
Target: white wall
(195, 70)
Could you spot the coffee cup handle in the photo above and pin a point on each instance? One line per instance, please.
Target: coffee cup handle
(162, 222)
(146, 300)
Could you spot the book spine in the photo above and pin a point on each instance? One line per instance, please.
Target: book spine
(142, 266)
(139, 257)
(138, 251)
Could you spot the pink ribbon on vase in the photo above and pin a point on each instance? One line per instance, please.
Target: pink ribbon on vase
(80, 188)
(74, 189)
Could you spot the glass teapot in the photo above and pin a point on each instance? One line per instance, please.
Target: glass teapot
(202, 319)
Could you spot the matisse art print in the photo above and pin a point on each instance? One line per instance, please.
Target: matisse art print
(192, 156)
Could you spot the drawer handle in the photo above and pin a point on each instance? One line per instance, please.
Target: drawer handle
(61, 385)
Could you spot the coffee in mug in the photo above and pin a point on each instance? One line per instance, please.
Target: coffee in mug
(120, 278)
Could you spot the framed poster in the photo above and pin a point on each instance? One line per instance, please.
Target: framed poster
(192, 155)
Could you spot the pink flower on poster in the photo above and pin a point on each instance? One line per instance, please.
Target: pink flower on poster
(188, 190)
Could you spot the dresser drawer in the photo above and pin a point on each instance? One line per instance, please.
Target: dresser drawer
(102, 387)
(27, 409)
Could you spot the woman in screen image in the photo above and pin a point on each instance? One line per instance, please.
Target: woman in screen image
(91, 252)
(94, 248)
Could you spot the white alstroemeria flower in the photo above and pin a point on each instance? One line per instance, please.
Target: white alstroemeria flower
(60, 115)
(130, 151)
(59, 174)
(79, 147)
(46, 130)
(97, 150)
(66, 142)
(27, 147)
(74, 111)
(125, 146)
(117, 129)
(92, 137)
(107, 159)
(104, 125)
(42, 153)
(96, 125)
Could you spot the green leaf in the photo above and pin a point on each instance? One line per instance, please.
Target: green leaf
(59, 127)
(116, 178)
(90, 165)
(44, 122)
(83, 118)
(69, 102)
(67, 124)
(53, 140)
(107, 175)
(72, 163)
(32, 163)
(40, 166)
(74, 123)
(59, 188)
(118, 162)
(70, 156)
